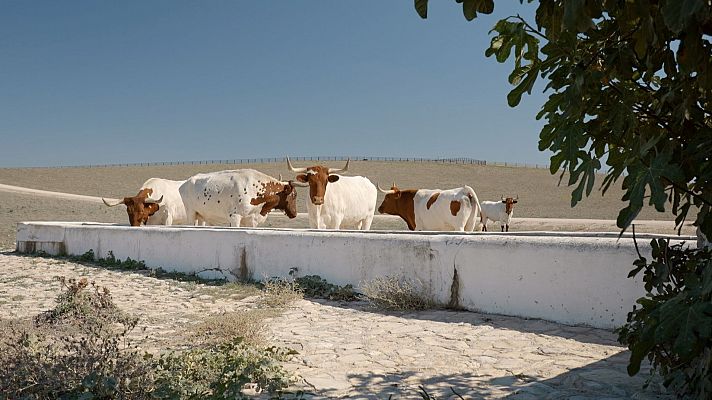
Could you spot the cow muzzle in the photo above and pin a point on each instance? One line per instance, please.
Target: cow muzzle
(317, 201)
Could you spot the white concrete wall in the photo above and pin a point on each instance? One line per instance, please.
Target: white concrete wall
(574, 278)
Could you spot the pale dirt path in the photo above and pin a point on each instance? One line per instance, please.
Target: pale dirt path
(351, 351)
(46, 193)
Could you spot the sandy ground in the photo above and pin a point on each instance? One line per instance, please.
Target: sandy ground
(379, 354)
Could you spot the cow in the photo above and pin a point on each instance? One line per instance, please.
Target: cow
(498, 211)
(433, 209)
(336, 201)
(157, 203)
(235, 197)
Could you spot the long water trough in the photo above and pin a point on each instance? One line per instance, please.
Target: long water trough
(570, 278)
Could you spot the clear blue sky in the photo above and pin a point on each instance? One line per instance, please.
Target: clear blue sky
(95, 82)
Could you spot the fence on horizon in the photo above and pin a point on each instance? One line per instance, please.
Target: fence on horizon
(267, 160)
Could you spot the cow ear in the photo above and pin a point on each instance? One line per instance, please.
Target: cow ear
(302, 178)
(504, 201)
(333, 178)
(152, 208)
(514, 202)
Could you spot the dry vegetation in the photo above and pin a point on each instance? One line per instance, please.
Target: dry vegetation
(539, 193)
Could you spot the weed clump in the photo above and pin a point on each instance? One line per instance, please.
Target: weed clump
(392, 293)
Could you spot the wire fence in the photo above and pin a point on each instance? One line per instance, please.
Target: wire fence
(267, 160)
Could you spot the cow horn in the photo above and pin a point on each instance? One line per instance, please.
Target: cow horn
(112, 205)
(384, 191)
(289, 165)
(150, 200)
(280, 178)
(297, 184)
(501, 196)
(346, 167)
(517, 197)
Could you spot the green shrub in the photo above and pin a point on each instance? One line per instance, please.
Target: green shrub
(314, 286)
(221, 372)
(673, 325)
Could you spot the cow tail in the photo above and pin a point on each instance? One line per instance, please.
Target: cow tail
(475, 206)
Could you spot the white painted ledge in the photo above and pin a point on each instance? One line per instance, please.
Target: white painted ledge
(570, 278)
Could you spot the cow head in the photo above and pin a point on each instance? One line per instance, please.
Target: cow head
(139, 207)
(278, 195)
(390, 204)
(399, 202)
(288, 198)
(509, 203)
(317, 177)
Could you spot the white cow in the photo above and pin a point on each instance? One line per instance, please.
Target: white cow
(433, 209)
(157, 203)
(336, 201)
(236, 196)
(501, 211)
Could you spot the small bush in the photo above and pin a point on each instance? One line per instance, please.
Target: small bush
(247, 324)
(221, 372)
(278, 293)
(314, 286)
(391, 293)
(77, 349)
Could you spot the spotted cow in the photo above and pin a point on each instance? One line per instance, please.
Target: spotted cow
(236, 197)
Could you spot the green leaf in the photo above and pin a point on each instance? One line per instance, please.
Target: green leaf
(421, 7)
(678, 13)
(469, 9)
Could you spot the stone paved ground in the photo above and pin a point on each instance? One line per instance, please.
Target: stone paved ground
(351, 351)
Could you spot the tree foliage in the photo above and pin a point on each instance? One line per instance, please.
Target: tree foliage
(629, 86)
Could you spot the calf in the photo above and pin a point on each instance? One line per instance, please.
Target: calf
(501, 211)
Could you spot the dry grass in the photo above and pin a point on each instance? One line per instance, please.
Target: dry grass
(280, 293)
(539, 193)
(220, 328)
(395, 294)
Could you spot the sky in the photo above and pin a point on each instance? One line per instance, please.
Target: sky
(103, 82)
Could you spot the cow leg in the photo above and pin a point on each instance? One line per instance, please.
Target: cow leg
(502, 226)
(235, 220)
(507, 227)
(366, 223)
(169, 219)
(336, 222)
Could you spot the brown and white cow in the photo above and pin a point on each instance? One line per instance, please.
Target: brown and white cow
(140, 207)
(501, 211)
(336, 201)
(143, 209)
(433, 209)
(241, 197)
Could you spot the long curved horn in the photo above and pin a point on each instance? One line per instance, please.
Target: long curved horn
(112, 205)
(150, 200)
(384, 191)
(289, 165)
(297, 184)
(346, 167)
